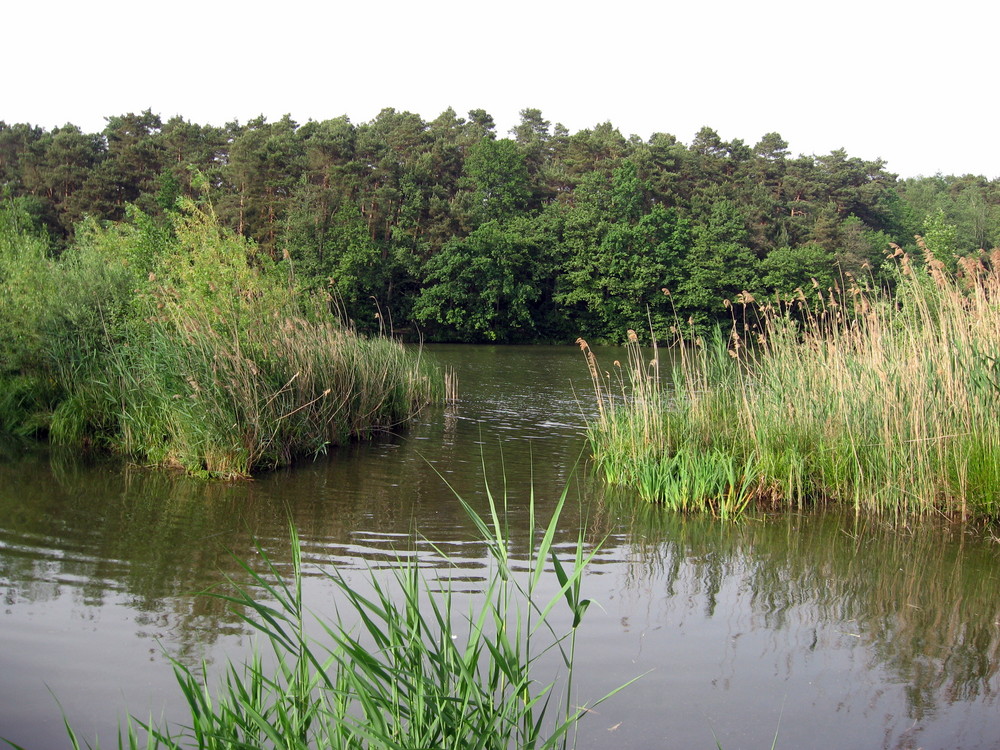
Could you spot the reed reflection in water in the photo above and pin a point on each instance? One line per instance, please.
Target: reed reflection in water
(855, 634)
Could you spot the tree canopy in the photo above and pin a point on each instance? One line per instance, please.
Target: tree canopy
(453, 230)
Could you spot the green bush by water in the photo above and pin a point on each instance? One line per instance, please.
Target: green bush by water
(885, 403)
(184, 346)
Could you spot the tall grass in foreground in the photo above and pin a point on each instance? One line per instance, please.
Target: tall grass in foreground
(886, 403)
(400, 668)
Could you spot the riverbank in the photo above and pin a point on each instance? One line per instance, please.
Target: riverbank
(884, 403)
(182, 346)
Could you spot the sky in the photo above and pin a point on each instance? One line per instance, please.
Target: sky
(912, 83)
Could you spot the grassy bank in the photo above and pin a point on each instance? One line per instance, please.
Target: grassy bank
(886, 403)
(183, 346)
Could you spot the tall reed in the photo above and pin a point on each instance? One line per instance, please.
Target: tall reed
(885, 402)
(208, 401)
(402, 667)
(653, 430)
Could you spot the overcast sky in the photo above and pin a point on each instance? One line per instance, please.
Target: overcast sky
(913, 83)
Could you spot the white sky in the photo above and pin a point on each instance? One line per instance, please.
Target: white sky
(914, 82)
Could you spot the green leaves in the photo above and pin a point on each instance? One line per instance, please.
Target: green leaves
(375, 206)
(483, 287)
(501, 176)
(616, 270)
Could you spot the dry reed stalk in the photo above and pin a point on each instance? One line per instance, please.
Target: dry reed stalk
(450, 385)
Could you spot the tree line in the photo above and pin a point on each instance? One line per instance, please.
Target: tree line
(449, 230)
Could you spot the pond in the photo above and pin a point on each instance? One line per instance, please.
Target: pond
(825, 630)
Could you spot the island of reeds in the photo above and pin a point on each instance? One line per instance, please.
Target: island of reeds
(887, 403)
(178, 343)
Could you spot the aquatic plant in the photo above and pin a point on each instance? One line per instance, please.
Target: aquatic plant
(885, 402)
(400, 667)
(645, 436)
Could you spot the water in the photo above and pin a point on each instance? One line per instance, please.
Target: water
(826, 630)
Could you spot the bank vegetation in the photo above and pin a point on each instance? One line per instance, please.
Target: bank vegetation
(179, 344)
(886, 403)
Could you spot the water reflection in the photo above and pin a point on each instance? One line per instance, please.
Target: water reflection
(838, 631)
(901, 626)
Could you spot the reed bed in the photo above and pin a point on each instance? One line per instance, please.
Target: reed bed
(225, 406)
(884, 402)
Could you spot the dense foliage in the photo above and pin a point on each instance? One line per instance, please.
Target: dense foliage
(447, 229)
(180, 344)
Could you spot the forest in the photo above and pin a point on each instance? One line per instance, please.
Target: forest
(449, 231)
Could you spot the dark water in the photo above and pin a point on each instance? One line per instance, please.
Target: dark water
(829, 631)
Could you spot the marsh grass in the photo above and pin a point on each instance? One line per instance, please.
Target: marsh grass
(400, 667)
(208, 401)
(887, 403)
(186, 347)
(654, 433)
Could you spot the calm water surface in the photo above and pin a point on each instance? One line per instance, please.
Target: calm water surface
(830, 631)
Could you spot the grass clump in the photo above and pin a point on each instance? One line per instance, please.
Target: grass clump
(400, 667)
(884, 402)
(184, 346)
(649, 437)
